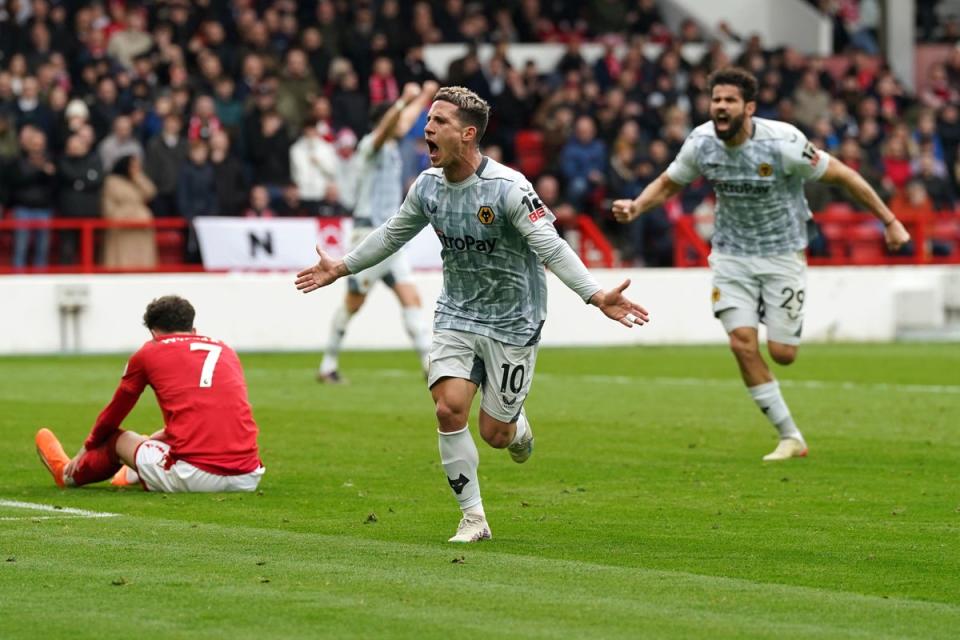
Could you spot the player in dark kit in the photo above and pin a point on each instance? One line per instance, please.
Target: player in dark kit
(209, 439)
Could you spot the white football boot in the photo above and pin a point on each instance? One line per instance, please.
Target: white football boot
(787, 448)
(472, 528)
(521, 450)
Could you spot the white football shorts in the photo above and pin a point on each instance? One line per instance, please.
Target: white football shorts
(503, 372)
(748, 290)
(157, 474)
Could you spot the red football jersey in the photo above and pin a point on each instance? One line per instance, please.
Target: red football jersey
(202, 394)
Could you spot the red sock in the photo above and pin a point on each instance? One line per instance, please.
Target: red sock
(98, 464)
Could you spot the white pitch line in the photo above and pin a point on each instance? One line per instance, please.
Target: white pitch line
(800, 384)
(60, 511)
(718, 382)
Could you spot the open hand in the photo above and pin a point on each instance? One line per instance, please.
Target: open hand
(325, 272)
(617, 306)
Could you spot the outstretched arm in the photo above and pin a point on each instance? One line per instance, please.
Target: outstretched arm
(535, 223)
(840, 174)
(376, 247)
(554, 252)
(654, 195)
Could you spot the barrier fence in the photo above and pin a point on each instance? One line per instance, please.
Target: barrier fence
(846, 238)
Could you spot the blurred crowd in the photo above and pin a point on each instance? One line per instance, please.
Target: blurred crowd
(141, 110)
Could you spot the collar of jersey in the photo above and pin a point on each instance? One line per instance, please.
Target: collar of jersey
(466, 182)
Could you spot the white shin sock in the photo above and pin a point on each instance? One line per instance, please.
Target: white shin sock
(413, 322)
(522, 427)
(460, 459)
(770, 400)
(338, 329)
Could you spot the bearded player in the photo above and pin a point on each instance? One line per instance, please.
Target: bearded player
(209, 439)
(757, 168)
(496, 236)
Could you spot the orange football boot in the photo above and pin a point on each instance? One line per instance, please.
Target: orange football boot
(52, 455)
(120, 478)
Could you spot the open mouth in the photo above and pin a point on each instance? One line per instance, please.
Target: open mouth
(433, 149)
(722, 119)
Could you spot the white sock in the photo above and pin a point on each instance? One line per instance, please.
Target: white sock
(460, 459)
(770, 400)
(338, 328)
(413, 322)
(522, 427)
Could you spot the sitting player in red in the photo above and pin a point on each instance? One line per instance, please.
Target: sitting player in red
(209, 439)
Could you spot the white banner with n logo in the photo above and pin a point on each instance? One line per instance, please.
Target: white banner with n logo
(269, 243)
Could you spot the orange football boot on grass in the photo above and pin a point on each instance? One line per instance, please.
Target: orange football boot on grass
(121, 479)
(52, 455)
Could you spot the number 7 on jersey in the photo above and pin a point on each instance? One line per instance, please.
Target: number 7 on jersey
(206, 373)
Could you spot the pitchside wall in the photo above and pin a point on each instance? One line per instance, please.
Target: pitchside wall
(263, 311)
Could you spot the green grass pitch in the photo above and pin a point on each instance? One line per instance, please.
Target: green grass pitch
(644, 513)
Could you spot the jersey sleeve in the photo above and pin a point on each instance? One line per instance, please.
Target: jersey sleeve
(534, 221)
(365, 149)
(389, 237)
(801, 158)
(525, 210)
(684, 169)
(132, 384)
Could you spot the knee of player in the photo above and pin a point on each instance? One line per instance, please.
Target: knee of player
(498, 438)
(743, 346)
(449, 415)
(783, 354)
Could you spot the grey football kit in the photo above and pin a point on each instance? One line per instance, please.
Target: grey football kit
(496, 236)
(379, 192)
(758, 262)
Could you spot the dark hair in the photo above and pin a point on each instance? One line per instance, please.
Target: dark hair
(169, 314)
(377, 112)
(122, 166)
(737, 77)
(472, 110)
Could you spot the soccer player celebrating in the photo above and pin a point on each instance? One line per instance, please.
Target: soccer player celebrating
(209, 439)
(757, 168)
(379, 195)
(496, 235)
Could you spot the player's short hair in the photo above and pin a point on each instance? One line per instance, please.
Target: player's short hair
(737, 77)
(377, 112)
(472, 110)
(169, 314)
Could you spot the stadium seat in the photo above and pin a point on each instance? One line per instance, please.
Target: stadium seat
(866, 244)
(528, 146)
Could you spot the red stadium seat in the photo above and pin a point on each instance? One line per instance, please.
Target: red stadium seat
(866, 243)
(528, 146)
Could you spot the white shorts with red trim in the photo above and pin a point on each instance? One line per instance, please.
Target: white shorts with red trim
(158, 473)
